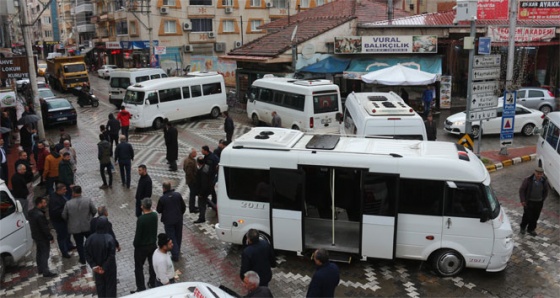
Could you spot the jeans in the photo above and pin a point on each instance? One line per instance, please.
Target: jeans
(192, 197)
(125, 165)
(43, 252)
(140, 255)
(427, 106)
(102, 168)
(80, 239)
(175, 232)
(62, 236)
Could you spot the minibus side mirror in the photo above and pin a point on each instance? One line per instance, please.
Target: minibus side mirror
(485, 215)
(147, 102)
(19, 207)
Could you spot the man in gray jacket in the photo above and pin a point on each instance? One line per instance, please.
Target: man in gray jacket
(78, 213)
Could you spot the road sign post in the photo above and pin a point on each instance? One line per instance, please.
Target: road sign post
(508, 119)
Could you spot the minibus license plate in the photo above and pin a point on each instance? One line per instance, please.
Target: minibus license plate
(325, 121)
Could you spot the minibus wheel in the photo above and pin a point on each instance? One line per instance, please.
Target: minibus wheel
(447, 262)
(158, 123)
(215, 112)
(255, 120)
(2, 268)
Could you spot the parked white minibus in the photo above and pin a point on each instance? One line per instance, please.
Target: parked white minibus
(381, 115)
(306, 105)
(123, 78)
(548, 149)
(375, 198)
(176, 98)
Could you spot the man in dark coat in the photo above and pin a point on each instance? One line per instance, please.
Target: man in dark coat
(66, 173)
(172, 207)
(326, 277)
(57, 201)
(532, 193)
(212, 160)
(24, 160)
(228, 127)
(144, 189)
(25, 139)
(172, 146)
(102, 211)
(258, 256)
(113, 126)
(203, 184)
(100, 255)
(19, 183)
(124, 155)
(40, 232)
(431, 127)
(104, 154)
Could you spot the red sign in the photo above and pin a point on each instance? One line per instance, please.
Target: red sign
(522, 34)
(492, 10)
(539, 10)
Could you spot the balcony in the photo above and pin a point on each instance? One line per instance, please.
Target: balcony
(278, 11)
(85, 28)
(87, 7)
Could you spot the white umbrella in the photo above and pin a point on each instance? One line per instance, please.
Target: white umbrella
(399, 75)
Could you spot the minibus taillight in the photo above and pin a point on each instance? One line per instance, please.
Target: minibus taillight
(311, 122)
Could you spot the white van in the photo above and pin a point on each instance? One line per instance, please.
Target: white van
(123, 78)
(548, 149)
(381, 115)
(306, 105)
(15, 234)
(176, 98)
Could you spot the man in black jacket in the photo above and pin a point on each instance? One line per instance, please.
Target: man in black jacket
(113, 127)
(228, 127)
(41, 233)
(100, 254)
(124, 155)
(172, 144)
(144, 189)
(56, 206)
(258, 256)
(326, 277)
(104, 154)
(172, 207)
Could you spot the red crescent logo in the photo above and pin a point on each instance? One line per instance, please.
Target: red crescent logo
(19, 223)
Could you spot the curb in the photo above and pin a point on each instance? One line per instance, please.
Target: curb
(510, 162)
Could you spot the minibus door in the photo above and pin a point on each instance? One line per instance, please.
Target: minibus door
(379, 219)
(286, 209)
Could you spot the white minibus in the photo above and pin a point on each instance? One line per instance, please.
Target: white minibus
(548, 149)
(123, 78)
(306, 105)
(175, 98)
(15, 234)
(381, 115)
(375, 198)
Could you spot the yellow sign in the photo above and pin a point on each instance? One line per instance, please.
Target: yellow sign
(466, 141)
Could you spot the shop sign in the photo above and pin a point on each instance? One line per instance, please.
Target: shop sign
(391, 44)
(160, 50)
(522, 34)
(112, 45)
(492, 10)
(15, 67)
(539, 10)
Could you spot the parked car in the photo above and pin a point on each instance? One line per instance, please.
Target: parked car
(106, 70)
(23, 83)
(58, 110)
(525, 122)
(45, 93)
(41, 68)
(535, 98)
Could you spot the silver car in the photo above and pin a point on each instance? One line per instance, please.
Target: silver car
(535, 98)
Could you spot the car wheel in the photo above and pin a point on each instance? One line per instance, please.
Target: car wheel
(528, 129)
(475, 131)
(447, 262)
(2, 269)
(255, 120)
(546, 109)
(158, 123)
(295, 127)
(215, 112)
(95, 104)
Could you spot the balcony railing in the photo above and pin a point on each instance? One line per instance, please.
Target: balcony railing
(83, 8)
(86, 28)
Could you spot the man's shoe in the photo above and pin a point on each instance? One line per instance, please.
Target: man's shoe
(136, 291)
(199, 221)
(522, 231)
(104, 186)
(533, 233)
(67, 256)
(49, 274)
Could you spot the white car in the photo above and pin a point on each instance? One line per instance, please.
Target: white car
(106, 70)
(45, 93)
(535, 98)
(525, 122)
(22, 82)
(182, 290)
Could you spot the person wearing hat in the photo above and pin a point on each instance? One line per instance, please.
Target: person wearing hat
(532, 193)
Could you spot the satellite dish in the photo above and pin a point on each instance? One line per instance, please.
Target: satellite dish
(308, 51)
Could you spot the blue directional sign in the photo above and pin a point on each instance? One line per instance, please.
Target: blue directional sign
(508, 118)
(484, 45)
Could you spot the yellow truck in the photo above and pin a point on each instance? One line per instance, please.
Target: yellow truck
(64, 73)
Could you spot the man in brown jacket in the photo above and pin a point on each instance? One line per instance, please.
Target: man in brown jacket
(190, 168)
(50, 172)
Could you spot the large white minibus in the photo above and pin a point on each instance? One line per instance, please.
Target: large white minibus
(123, 78)
(548, 149)
(306, 105)
(375, 198)
(175, 98)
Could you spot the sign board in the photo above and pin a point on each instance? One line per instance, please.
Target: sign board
(486, 73)
(539, 10)
(466, 141)
(484, 100)
(482, 115)
(492, 10)
(160, 50)
(487, 61)
(508, 118)
(14, 68)
(392, 44)
(522, 34)
(484, 87)
(484, 44)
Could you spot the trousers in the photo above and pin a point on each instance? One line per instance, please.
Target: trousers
(531, 214)
(43, 252)
(140, 255)
(175, 232)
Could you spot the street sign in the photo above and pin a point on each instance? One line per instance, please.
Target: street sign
(482, 114)
(486, 73)
(484, 45)
(508, 118)
(487, 61)
(484, 87)
(466, 141)
(484, 100)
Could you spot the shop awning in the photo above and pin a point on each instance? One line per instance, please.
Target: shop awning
(362, 66)
(327, 65)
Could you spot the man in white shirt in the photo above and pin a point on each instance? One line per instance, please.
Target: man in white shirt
(161, 259)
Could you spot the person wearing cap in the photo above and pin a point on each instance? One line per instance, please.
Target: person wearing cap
(161, 259)
(532, 193)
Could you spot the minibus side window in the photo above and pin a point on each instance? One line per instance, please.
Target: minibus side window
(167, 95)
(212, 88)
(252, 94)
(466, 200)
(186, 92)
(294, 101)
(163, 75)
(421, 197)
(552, 136)
(277, 98)
(247, 184)
(156, 76)
(196, 91)
(287, 188)
(153, 98)
(265, 95)
(379, 193)
(7, 206)
(142, 79)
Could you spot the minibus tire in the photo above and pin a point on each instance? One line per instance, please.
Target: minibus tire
(262, 236)
(255, 120)
(158, 123)
(295, 127)
(215, 112)
(447, 262)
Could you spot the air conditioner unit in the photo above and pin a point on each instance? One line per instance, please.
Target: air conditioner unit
(269, 4)
(229, 9)
(187, 26)
(237, 44)
(187, 48)
(211, 35)
(220, 47)
(163, 10)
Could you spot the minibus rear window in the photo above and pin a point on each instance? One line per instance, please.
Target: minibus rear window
(325, 103)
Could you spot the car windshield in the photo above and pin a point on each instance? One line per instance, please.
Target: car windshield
(134, 97)
(492, 201)
(74, 68)
(117, 82)
(58, 104)
(46, 93)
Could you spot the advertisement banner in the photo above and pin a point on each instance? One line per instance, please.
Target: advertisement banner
(522, 34)
(397, 44)
(160, 50)
(112, 45)
(445, 92)
(492, 10)
(212, 63)
(539, 10)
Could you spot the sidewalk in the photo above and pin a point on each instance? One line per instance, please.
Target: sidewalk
(515, 156)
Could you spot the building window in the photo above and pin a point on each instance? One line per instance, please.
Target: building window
(46, 20)
(48, 33)
(280, 3)
(202, 25)
(228, 26)
(200, 2)
(320, 2)
(169, 3)
(132, 28)
(170, 27)
(122, 28)
(304, 4)
(255, 3)
(227, 2)
(255, 24)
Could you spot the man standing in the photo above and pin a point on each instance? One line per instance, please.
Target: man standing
(431, 127)
(144, 189)
(25, 139)
(276, 120)
(228, 127)
(221, 145)
(172, 146)
(73, 156)
(124, 155)
(145, 240)
(427, 98)
(189, 166)
(57, 201)
(78, 213)
(258, 256)
(212, 161)
(41, 233)
(100, 254)
(66, 173)
(124, 117)
(172, 207)
(19, 184)
(104, 155)
(50, 172)
(113, 127)
(102, 211)
(326, 277)
(42, 153)
(203, 182)
(532, 193)
(163, 267)
(251, 283)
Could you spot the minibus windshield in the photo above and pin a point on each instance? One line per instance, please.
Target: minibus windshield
(134, 97)
(492, 201)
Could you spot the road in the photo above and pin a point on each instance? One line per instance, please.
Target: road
(532, 271)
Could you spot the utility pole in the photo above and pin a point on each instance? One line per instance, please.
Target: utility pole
(25, 26)
(150, 33)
